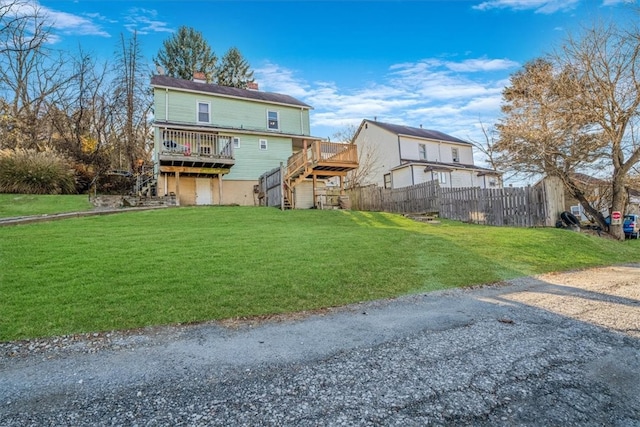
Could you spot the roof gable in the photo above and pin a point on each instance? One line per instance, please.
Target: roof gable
(417, 132)
(231, 92)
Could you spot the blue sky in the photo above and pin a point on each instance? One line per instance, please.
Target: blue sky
(440, 64)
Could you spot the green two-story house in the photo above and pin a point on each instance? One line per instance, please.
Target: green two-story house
(212, 143)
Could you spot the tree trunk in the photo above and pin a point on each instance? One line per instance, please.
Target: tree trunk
(618, 204)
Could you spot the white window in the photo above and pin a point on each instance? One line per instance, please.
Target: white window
(236, 142)
(455, 155)
(422, 151)
(203, 112)
(442, 176)
(273, 120)
(575, 210)
(263, 144)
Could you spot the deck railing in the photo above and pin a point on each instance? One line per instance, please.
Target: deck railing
(321, 152)
(200, 144)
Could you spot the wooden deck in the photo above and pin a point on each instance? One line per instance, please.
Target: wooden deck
(197, 152)
(322, 160)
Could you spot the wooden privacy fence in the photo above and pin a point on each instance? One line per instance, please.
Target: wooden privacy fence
(416, 198)
(512, 206)
(270, 188)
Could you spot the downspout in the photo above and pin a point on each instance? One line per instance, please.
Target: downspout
(413, 181)
(399, 151)
(166, 104)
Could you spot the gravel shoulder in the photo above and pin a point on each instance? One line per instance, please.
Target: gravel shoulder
(556, 349)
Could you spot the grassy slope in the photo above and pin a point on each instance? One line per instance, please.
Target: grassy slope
(12, 205)
(193, 264)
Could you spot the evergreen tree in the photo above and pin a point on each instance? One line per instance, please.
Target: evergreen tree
(185, 53)
(234, 70)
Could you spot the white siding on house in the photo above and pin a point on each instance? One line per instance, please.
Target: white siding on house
(410, 149)
(392, 150)
(465, 153)
(417, 173)
(462, 178)
(401, 177)
(437, 151)
(382, 148)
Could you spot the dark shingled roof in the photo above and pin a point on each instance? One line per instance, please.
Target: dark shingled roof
(418, 132)
(277, 98)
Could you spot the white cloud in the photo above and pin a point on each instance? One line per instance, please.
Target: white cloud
(539, 6)
(444, 80)
(144, 21)
(482, 64)
(75, 24)
(273, 78)
(66, 23)
(617, 2)
(452, 97)
(489, 104)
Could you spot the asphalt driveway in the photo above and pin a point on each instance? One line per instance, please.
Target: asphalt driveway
(559, 349)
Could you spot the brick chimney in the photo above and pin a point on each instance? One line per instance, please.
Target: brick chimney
(199, 77)
(252, 86)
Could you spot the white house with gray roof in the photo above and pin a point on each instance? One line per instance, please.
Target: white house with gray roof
(398, 156)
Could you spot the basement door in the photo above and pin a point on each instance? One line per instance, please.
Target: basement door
(203, 191)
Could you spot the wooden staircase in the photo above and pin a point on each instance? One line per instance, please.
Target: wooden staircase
(320, 160)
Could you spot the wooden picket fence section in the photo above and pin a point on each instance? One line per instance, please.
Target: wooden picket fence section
(416, 198)
(270, 188)
(511, 206)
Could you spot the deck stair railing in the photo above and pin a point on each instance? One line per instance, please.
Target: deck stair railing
(146, 183)
(319, 153)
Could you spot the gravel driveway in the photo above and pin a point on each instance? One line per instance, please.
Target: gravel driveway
(557, 349)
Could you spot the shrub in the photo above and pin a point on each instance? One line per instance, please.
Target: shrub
(33, 172)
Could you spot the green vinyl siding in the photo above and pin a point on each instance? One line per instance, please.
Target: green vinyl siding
(251, 162)
(229, 112)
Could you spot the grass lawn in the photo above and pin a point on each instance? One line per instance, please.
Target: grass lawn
(12, 205)
(201, 263)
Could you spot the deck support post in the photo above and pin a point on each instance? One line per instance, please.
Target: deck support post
(315, 196)
(177, 188)
(282, 187)
(220, 189)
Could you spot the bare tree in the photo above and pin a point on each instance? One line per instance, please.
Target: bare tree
(367, 158)
(31, 74)
(577, 110)
(134, 98)
(79, 117)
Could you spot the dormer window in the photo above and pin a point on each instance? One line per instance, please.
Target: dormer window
(455, 155)
(273, 120)
(203, 112)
